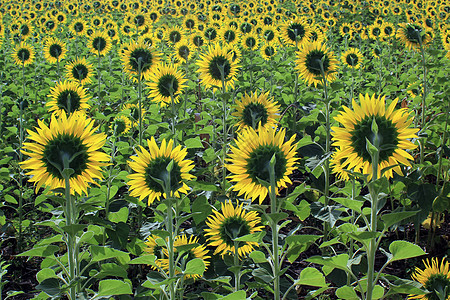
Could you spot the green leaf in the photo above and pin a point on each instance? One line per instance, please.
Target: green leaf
(298, 244)
(312, 277)
(339, 261)
(50, 286)
(201, 208)
(346, 293)
(262, 274)
(193, 143)
(252, 237)
(45, 274)
(119, 216)
(349, 203)
(403, 250)
(111, 269)
(378, 292)
(239, 295)
(258, 257)
(404, 286)
(144, 259)
(277, 217)
(100, 253)
(10, 199)
(112, 287)
(204, 186)
(396, 217)
(74, 228)
(195, 266)
(304, 210)
(42, 251)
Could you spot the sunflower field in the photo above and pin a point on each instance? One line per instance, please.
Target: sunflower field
(224, 149)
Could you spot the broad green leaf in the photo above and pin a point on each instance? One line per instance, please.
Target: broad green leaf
(45, 274)
(42, 251)
(263, 274)
(378, 292)
(112, 287)
(347, 293)
(86, 237)
(119, 216)
(339, 261)
(312, 277)
(239, 295)
(193, 143)
(298, 244)
(349, 203)
(144, 259)
(403, 250)
(10, 199)
(50, 286)
(100, 253)
(330, 242)
(404, 286)
(74, 228)
(396, 217)
(252, 237)
(364, 237)
(204, 186)
(201, 208)
(111, 269)
(258, 257)
(277, 217)
(195, 266)
(304, 210)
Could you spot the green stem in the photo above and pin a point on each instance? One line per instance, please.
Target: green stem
(424, 96)
(225, 132)
(99, 77)
(109, 181)
(237, 265)
(274, 228)
(170, 247)
(139, 62)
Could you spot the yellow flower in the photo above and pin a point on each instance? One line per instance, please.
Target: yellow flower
(435, 278)
(69, 97)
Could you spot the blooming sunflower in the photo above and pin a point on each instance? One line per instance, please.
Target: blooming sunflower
(23, 54)
(268, 51)
(249, 161)
(216, 65)
(80, 70)
(68, 97)
(183, 50)
(175, 34)
(249, 41)
(78, 27)
(295, 32)
(435, 278)
(153, 247)
(54, 50)
(121, 125)
(310, 58)
(100, 43)
(231, 223)
(152, 164)
(136, 52)
(413, 35)
(352, 58)
(393, 132)
(71, 140)
(228, 35)
(164, 83)
(255, 111)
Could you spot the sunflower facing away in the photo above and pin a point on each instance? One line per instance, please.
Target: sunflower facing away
(80, 71)
(255, 111)
(164, 83)
(250, 160)
(230, 223)
(310, 60)
(71, 138)
(139, 57)
(435, 278)
(54, 50)
(216, 65)
(100, 43)
(69, 97)
(152, 163)
(393, 132)
(352, 58)
(121, 125)
(295, 32)
(413, 35)
(23, 54)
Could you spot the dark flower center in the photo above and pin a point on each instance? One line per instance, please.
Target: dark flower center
(189, 23)
(313, 61)
(55, 50)
(175, 36)
(78, 27)
(269, 51)
(296, 32)
(250, 42)
(61, 147)
(50, 25)
(232, 228)
(183, 52)
(157, 169)
(119, 126)
(24, 30)
(99, 43)
(210, 33)
(139, 20)
(80, 71)
(246, 27)
(258, 163)
(198, 41)
(268, 21)
(111, 32)
(388, 30)
(235, 9)
(144, 56)
(69, 101)
(229, 36)
(376, 31)
(254, 113)
(413, 33)
(153, 16)
(166, 84)
(269, 35)
(218, 65)
(96, 22)
(387, 134)
(352, 59)
(23, 54)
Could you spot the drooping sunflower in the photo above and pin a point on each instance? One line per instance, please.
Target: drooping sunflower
(217, 65)
(295, 32)
(393, 134)
(100, 43)
(80, 70)
(230, 223)
(68, 97)
(256, 111)
(413, 35)
(139, 57)
(249, 161)
(152, 163)
(23, 54)
(166, 82)
(54, 50)
(352, 58)
(69, 142)
(435, 278)
(310, 60)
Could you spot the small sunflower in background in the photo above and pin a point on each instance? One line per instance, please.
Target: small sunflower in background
(312, 60)
(249, 41)
(23, 54)
(414, 89)
(375, 31)
(295, 32)
(268, 51)
(100, 43)
(139, 57)
(183, 51)
(189, 22)
(210, 34)
(352, 58)
(54, 50)
(175, 34)
(80, 70)
(69, 142)
(413, 35)
(228, 35)
(121, 125)
(250, 159)
(345, 29)
(256, 111)
(152, 163)
(25, 30)
(217, 65)
(229, 223)
(435, 278)
(197, 39)
(67, 97)
(269, 33)
(132, 110)
(393, 130)
(164, 83)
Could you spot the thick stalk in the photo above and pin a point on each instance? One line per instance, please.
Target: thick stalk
(237, 272)
(170, 248)
(225, 131)
(424, 97)
(99, 77)
(274, 228)
(21, 106)
(139, 62)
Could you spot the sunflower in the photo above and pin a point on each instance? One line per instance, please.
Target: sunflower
(67, 97)
(189, 22)
(311, 58)
(54, 50)
(166, 82)
(295, 32)
(268, 51)
(23, 54)
(217, 65)
(26, 30)
(345, 29)
(269, 33)
(136, 52)
(183, 51)
(121, 125)
(375, 31)
(352, 58)
(393, 132)
(231, 223)
(175, 34)
(69, 142)
(414, 89)
(80, 70)
(133, 111)
(256, 111)
(249, 41)
(154, 247)
(249, 161)
(435, 278)
(152, 163)
(100, 43)
(197, 39)
(413, 35)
